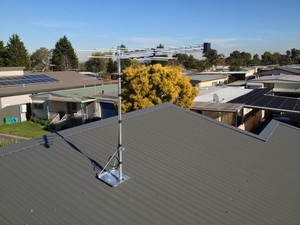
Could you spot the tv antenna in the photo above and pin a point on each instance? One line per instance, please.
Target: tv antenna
(115, 176)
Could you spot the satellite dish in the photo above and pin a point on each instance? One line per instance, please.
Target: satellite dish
(216, 98)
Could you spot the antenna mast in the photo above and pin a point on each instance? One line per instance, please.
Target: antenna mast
(114, 177)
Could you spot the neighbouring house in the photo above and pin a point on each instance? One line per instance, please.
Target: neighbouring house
(207, 80)
(213, 102)
(86, 103)
(278, 70)
(183, 168)
(16, 87)
(225, 76)
(285, 85)
(277, 97)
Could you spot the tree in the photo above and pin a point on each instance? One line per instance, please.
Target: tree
(213, 58)
(64, 57)
(190, 62)
(16, 53)
(235, 61)
(295, 55)
(112, 66)
(255, 60)
(268, 59)
(246, 56)
(97, 65)
(40, 59)
(145, 86)
(2, 54)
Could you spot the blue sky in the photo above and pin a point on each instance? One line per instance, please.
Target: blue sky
(253, 26)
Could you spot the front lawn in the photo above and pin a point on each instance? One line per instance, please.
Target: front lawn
(26, 129)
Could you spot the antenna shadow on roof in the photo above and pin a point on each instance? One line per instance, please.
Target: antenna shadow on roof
(93, 162)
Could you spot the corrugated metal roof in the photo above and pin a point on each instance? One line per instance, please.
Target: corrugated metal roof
(207, 77)
(184, 168)
(278, 78)
(220, 107)
(111, 89)
(106, 92)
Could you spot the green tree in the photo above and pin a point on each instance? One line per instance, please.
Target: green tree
(2, 54)
(235, 61)
(40, 59)
(97, 65)
(16, 53)
(145, 86)
(295, 56)
(268, 58)
(246, 57)
(287, 58)
(255, 60)
(213, 58)
(64, 57)
(190, 62)
(112, 66)
(182, 59)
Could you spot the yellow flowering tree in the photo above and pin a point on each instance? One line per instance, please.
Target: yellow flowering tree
(145, 86)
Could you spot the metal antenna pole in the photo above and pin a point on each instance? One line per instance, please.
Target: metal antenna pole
(115, 176)
(120, 148)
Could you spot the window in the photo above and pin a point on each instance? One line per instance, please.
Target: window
(71, 107)
(38, 106)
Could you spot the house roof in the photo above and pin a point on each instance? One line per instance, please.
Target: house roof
(106, 92)
(224, 93)
(281, 70)
(184, 168)
(207, 77)
(66, 79)
(11, 68)
(217, 106)
(282, 78)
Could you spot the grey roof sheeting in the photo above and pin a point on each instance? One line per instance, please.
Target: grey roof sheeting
(184, 168)
(217, 106)
(280, 70)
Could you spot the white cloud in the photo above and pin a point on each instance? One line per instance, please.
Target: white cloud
(58, 24)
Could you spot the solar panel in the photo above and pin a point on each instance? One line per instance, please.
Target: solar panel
(289, 104)
(26, 79)
(297, 106)
(251, 96)
(257, 98)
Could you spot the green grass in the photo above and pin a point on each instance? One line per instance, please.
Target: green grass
(26, 129)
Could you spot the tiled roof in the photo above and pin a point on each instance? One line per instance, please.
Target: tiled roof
(184, 168)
